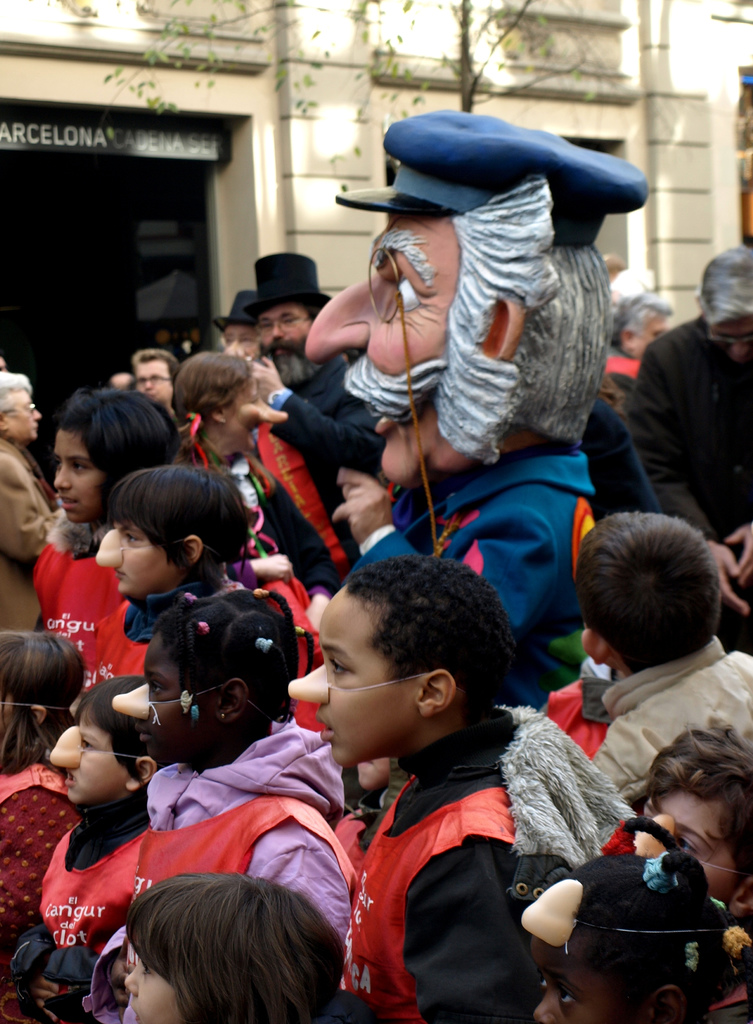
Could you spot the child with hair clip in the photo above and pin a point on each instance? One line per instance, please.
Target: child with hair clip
(173, 528)
(88, 886)
(281, 961)
(101, 436)
(219, 399)
(631, 939)
(246, 790)
(41, 675)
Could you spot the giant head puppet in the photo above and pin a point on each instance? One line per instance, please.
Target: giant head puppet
(506, 300)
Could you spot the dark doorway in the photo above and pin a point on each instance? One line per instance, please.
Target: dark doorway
(81, 235)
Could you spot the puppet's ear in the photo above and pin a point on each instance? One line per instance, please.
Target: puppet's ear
(506, 328)
(552, 917)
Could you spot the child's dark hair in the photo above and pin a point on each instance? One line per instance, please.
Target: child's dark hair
(229, 636)
(688, 950)
(435, 613)
(96, 709)
(712, 764)
(170, 502)
(649, 586)
(121, 430)
(277, 960)
(36, 668)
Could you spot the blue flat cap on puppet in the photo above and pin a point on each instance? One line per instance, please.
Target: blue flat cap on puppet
(453, 162)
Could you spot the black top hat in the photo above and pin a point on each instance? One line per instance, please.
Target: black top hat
(238, 314)
(286, 277)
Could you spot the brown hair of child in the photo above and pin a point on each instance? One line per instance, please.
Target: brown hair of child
(43, 670)
(712, 764)
(237, 949)
(648, 585)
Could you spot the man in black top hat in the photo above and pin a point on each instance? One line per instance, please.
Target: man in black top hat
(326, 426)
(240, 336)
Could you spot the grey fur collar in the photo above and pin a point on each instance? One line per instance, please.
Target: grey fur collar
(76, 539)
(561, 803)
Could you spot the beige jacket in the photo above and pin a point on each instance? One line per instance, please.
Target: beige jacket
(651, 708)
(25, 519)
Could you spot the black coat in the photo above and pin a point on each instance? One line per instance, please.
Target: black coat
(331, 428)
(691, 417)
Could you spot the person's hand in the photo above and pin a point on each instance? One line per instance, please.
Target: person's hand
(253, 413)
(41, 989)
(367, 504)
(315, 610)
(743, 535)
(118, 974)
(273, 568)
(266, 376)
(728, 569)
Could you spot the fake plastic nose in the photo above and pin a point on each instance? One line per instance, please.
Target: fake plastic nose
(552, 917)
(67, 751)
(134, 703)
(312, 687)
(109, 555)
(648, 847)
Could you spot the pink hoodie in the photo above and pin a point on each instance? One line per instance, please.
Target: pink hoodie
(292, 762)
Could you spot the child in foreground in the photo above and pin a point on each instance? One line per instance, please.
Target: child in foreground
(173, 528)
(704, 780)
(649, 593)
(88, 886)
(278, 960)
(415, 650)
(631, 940)
(41, 675)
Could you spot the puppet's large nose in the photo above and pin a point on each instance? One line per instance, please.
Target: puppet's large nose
(312, 687)
(134, 703)
(345, 322)
(110, 555)
(67, 751)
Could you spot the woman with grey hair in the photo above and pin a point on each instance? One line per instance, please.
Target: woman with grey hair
(26, 512)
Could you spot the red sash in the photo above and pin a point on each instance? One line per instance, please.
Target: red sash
(374, 967)
(116, 654)
(224, 844)
(289, 467)
(565, 707)
(35, 775)
(74, 596)
(85, 908)
(623, 364)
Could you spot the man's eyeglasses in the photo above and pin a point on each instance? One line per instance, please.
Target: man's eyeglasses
(142, 382)
(26, 411)
(731, 339)
(266, 327)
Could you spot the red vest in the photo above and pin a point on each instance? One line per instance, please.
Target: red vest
(289, 467)
(225, 844)
(374, 967)
(565, 707)
(116, 654)
(35, 775)
(349, 831)
(623, 364)
(74, 595)
(86, 907)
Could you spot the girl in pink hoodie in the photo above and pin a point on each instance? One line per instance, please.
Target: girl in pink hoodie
(246, 789)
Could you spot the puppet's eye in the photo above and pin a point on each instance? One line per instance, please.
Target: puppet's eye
(410, 299)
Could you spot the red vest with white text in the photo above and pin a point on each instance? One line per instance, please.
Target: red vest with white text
(224, 844)
(86, 907)
(374, 967)
(116, 654)
(565, 707)
(75, 595)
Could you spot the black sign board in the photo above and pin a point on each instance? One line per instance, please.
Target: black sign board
(116, 133)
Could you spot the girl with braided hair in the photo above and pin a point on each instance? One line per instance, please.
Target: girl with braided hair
(245, 788)
(633, 940)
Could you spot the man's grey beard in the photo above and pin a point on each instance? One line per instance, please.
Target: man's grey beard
(294, 368)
